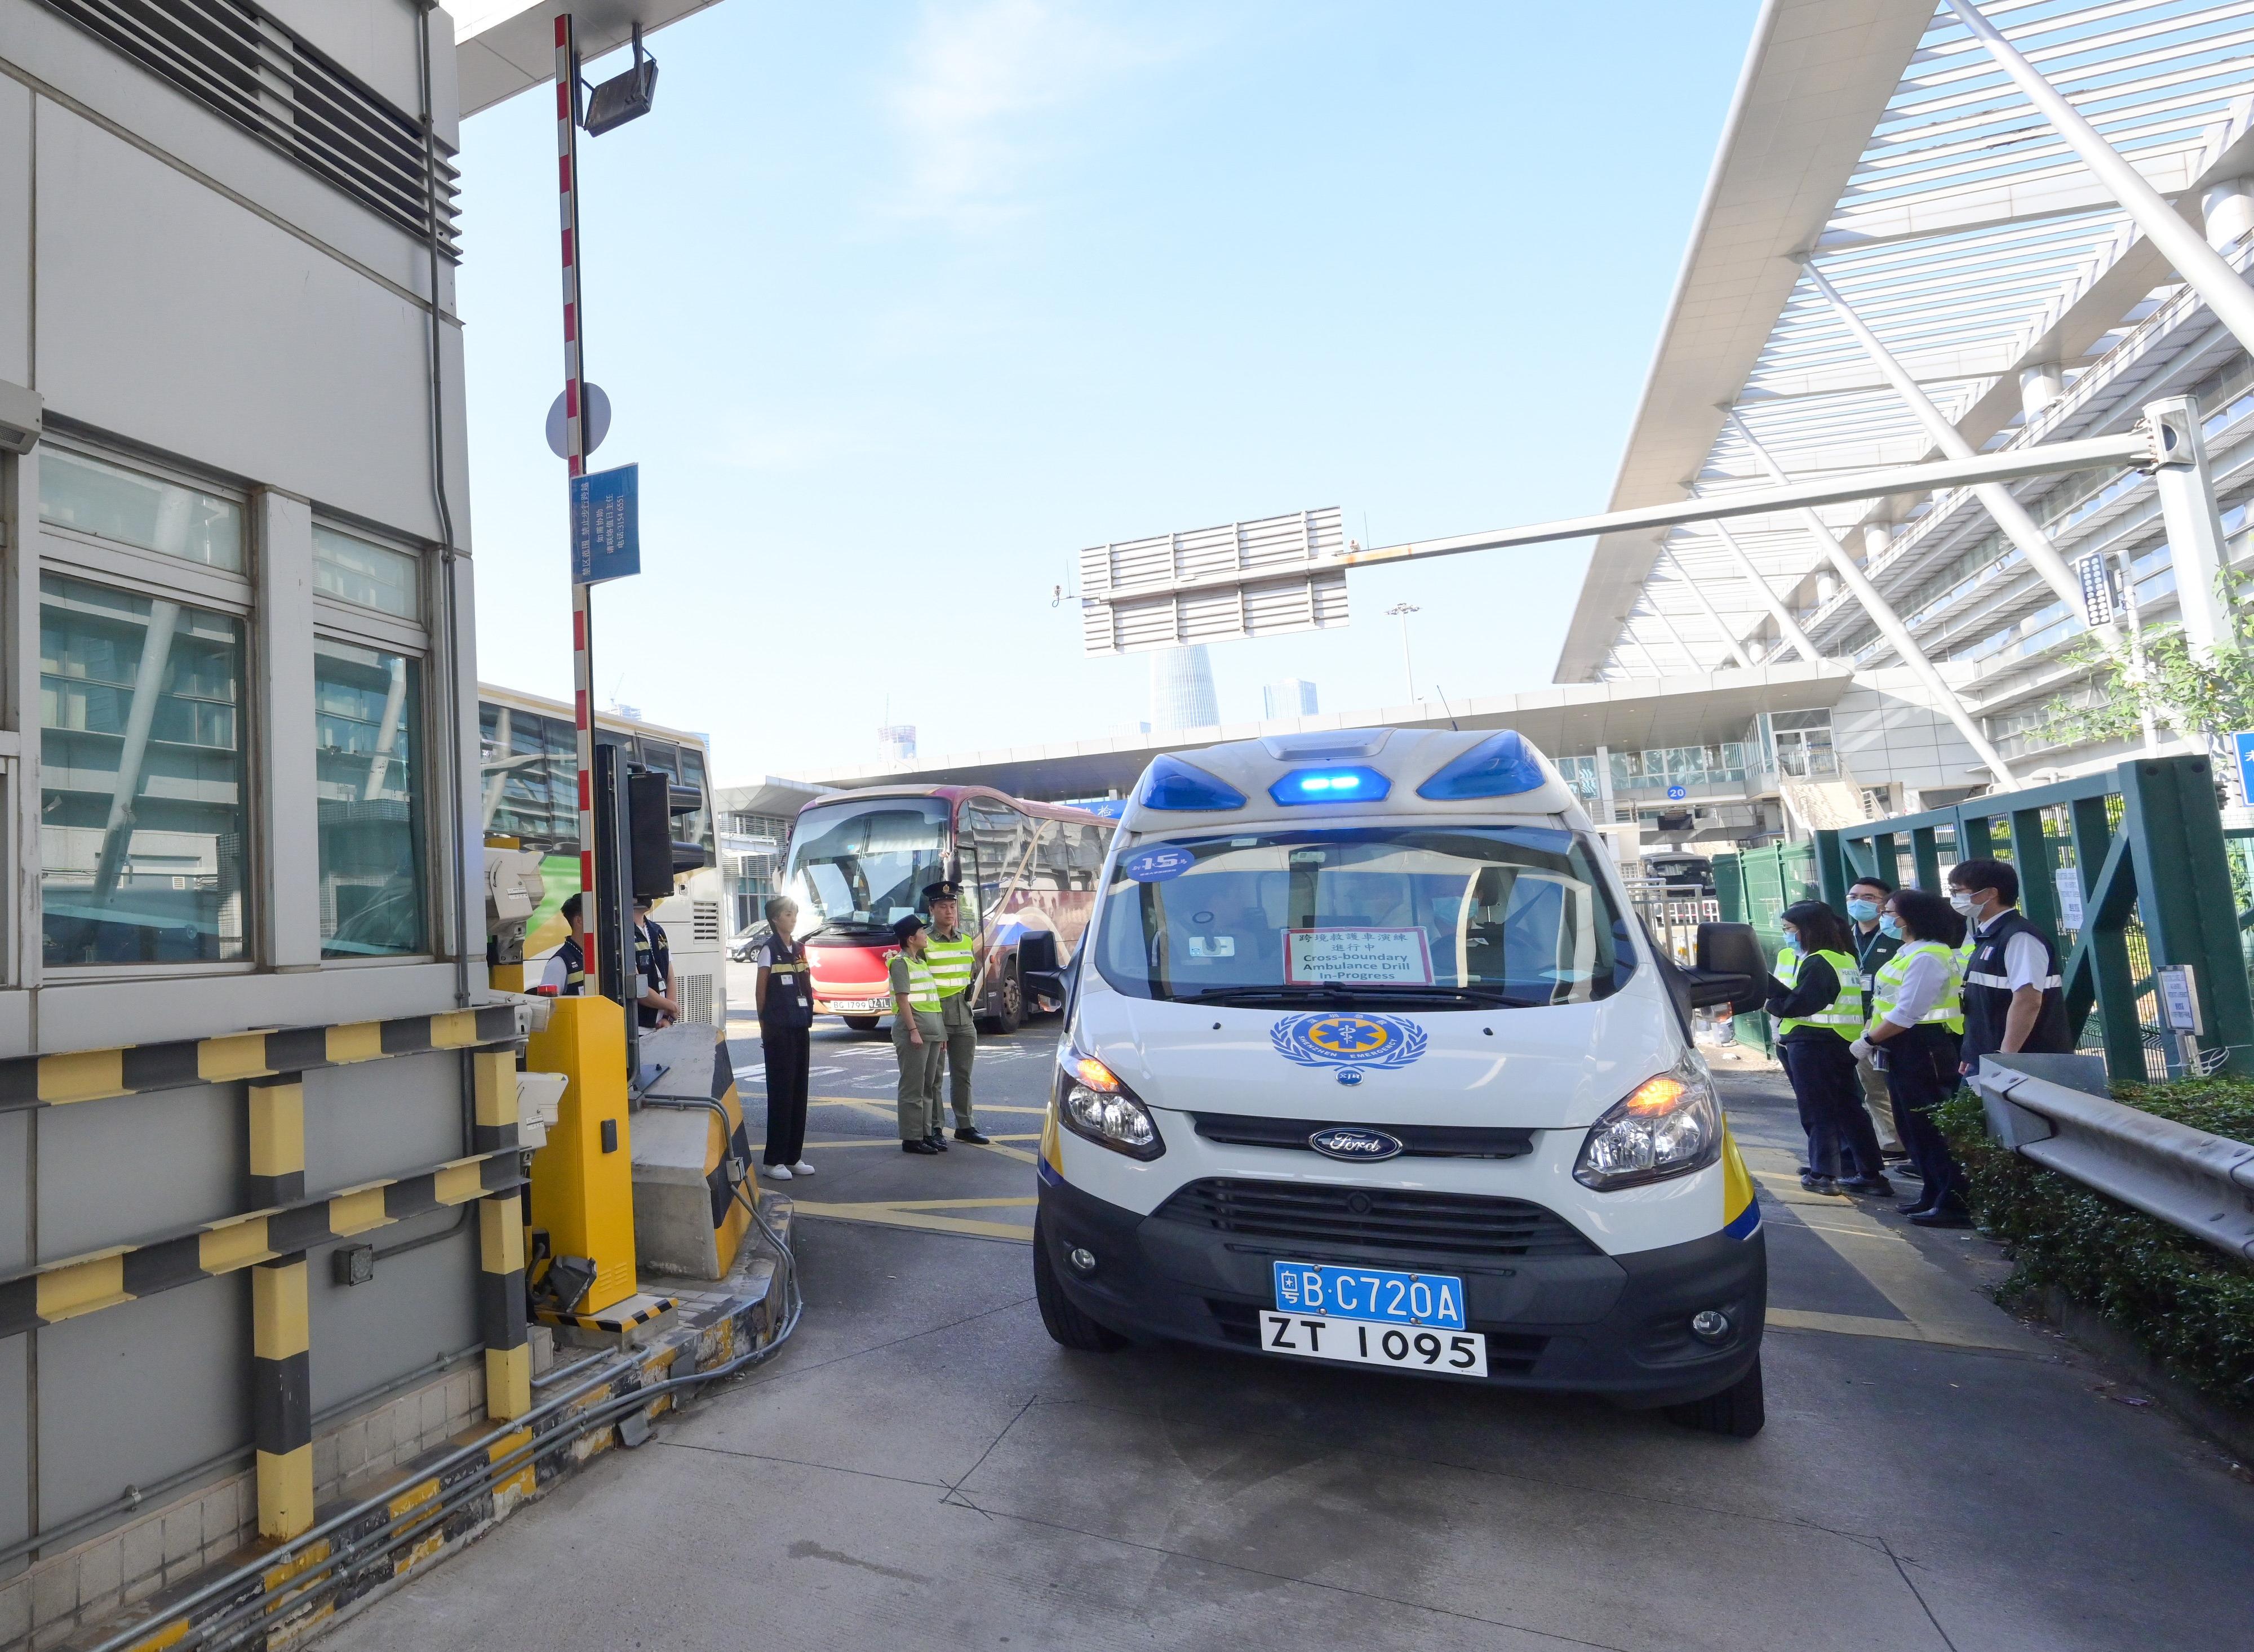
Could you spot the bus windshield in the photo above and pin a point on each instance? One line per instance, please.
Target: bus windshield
(858, 867)
(1433, 916)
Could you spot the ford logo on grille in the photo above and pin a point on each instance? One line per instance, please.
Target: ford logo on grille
(1346, 1141)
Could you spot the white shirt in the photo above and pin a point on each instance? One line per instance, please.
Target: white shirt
(553, 974)
(2024, 963)
(1925, 977)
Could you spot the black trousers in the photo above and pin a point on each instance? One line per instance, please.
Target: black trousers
(789, 1051)
(1830, 1093)
(1920, 1074)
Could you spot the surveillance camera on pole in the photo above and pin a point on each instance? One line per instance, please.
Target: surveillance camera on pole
(624, 97)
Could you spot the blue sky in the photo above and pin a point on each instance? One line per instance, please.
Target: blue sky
(901, 305)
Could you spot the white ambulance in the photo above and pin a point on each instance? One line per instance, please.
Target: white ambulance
(1369, 1061)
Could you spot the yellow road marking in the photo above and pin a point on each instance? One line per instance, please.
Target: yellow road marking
(885, 1141)
(1857, 1325)
(886, 1215)
(954, 1204)
(1937, 1308)
(886, 1107)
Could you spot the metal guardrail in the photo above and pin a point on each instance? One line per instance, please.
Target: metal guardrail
(2045, 1108)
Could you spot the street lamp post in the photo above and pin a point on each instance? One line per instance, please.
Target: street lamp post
(1402, 611)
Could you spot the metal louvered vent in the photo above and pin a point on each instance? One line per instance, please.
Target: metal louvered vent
(704, 919)
(273, 83)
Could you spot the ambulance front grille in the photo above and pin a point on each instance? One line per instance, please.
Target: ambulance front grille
(1375, 1222)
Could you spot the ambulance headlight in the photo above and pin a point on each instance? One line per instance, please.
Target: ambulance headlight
(1669, 1126)
(1093, 1104)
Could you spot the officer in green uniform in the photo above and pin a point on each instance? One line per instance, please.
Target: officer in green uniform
(954, 957)
(919, 1039)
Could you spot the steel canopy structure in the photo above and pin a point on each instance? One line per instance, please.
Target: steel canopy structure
(1881, 141)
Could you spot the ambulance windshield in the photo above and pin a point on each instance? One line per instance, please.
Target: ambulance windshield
(1434, 915)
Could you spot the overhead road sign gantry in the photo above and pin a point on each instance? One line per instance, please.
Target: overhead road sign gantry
(1241, 579)
(1167, 591)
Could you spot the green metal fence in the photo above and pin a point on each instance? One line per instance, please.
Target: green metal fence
(2140, 850)
(1753, 887)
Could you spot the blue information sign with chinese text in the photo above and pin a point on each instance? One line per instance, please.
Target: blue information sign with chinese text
(606, 525)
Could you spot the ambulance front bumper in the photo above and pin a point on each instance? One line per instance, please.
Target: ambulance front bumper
(1617, 1326)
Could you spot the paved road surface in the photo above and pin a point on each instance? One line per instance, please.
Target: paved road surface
(923, 1469)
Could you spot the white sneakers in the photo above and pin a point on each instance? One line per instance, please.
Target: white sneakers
(775, 1172)
(801, 1168)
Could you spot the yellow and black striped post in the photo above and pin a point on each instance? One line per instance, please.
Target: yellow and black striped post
(281, 1395)
(493, 1077)
(277, 1140)
(501, 1306)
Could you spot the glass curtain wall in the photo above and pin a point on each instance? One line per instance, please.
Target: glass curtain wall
(143, 779)
(370, 782)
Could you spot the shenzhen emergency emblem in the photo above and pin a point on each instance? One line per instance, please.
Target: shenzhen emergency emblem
(1330, 1039)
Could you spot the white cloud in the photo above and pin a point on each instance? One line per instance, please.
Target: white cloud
(983, 79)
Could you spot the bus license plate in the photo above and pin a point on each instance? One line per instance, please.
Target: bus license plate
(1313, 1336)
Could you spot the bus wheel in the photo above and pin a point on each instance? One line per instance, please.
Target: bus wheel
(1067, 1326)
(860, 1023)
(1010, 1013)
(1737, 1410)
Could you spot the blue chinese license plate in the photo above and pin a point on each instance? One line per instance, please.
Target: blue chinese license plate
(1373, 1296)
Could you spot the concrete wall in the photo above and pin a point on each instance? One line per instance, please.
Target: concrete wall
(187, 300)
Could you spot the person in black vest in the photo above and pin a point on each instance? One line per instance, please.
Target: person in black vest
(565, 975)
(2012, 1002)
(784, 991)
(656, 1006)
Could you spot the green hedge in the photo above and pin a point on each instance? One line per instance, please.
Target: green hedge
(2184, 1302)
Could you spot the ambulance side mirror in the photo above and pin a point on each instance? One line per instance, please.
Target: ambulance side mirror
(1730, 968)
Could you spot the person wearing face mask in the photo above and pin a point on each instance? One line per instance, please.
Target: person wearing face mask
(1873, 945)
(2013, 1004)
(1916, 1025)
(1818, 1008)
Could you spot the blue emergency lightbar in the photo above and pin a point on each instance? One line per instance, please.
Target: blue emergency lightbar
(1169, 783)
(1355, 785)
(1500, 767)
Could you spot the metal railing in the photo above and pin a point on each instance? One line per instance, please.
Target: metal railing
(2052, 1109)
(2128, 870)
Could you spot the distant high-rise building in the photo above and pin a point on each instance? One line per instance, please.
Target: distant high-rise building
(1294, 696)
(1181, 690)
(896, 742)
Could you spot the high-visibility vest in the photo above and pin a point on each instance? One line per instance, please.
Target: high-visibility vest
(953, 963)
(1946, 1010)
(1844, 1015)
(923, 992)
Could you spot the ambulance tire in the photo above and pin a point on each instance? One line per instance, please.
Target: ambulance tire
(1737, 1410)
(861, 1023)
(1068, 1326)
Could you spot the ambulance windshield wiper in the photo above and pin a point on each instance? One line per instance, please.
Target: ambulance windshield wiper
(1346, 995)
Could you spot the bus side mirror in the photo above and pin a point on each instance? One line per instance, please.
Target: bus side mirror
(1730, 968)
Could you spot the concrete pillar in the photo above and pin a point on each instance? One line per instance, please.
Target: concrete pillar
(501, 1306)
(1604, 813)
(1826, 588)
(2228, 209)
(2040, 386)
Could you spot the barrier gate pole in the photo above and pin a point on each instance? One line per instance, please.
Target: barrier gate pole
(575, 453)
